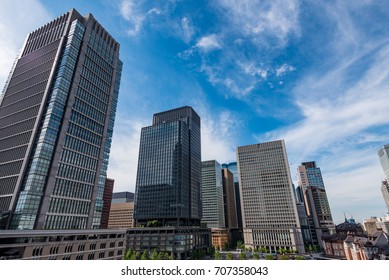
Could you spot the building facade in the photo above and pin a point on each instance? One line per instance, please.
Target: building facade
(107, 198)
(230, 213)
(57, 115)
(168, 184)
(316, 201)
(122, 197)
(212, 194)
(96, 244)
(383, 155)
(270, 217)
(121, 215)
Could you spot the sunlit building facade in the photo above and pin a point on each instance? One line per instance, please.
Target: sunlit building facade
(270, 217)
(57, 115)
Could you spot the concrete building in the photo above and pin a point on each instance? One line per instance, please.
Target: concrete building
(93, 244)
(269, 210)
(212, 194)
(122, 197)
(182, 242)
(57, 114)
(121, 215)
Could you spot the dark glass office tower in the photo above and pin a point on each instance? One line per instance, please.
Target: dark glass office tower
(169, 170)
(57, 114)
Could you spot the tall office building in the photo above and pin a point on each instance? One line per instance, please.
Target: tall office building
(57, 115)
(168, 184)
(230, 213)
(315, 201)
(270, 217)
(233, 168)
(212, 194)
(383, 155)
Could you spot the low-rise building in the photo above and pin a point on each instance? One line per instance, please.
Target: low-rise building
(88, 244)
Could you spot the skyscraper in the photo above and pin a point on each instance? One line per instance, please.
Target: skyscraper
(383, 155)
(168, 183)
(212, 194)
(230, 213)
(57, 115)
(315, 200)
(269, 210)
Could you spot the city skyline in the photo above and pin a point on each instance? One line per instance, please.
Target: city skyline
(313, 74)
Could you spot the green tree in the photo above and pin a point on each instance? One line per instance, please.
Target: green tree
(154, 255)
(138, 256)
(299, 258)
(242, 255)
(171, 256)
(269, 257)
(230, 256)
(284, 257)
(166, 256)
(145, 256)
(239, 244)
(161, 256)
(217, 255)
(129, 254)
(255, 256)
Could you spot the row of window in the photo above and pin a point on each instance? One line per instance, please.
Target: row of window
(75, 173)
(81, 146)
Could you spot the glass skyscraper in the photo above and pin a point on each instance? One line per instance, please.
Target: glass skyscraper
(212, 194)
(168, 184)
(57, 115)
(315, 200)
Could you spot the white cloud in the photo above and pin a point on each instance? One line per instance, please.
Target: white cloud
(217, 136)
(136, 13)
(123, 162)
(278, 19)
(187, 29)
(283, 69)
(344, 123)
(208, 43)
(16, 21)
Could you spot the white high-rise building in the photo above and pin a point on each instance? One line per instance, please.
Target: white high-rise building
(269, 211)
(383, 154)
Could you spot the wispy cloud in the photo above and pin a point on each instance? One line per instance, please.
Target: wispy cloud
(277, 19)
(218, 135)
(283, 69)
(187, 29)
(136, 13)
(123, 162)
(344, 118)
(208, 43)
(16, 20)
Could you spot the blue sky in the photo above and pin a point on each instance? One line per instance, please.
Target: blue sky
(314, 73)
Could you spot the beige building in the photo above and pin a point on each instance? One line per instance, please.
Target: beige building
(121, 215)
(220, 237)
(269, 209)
